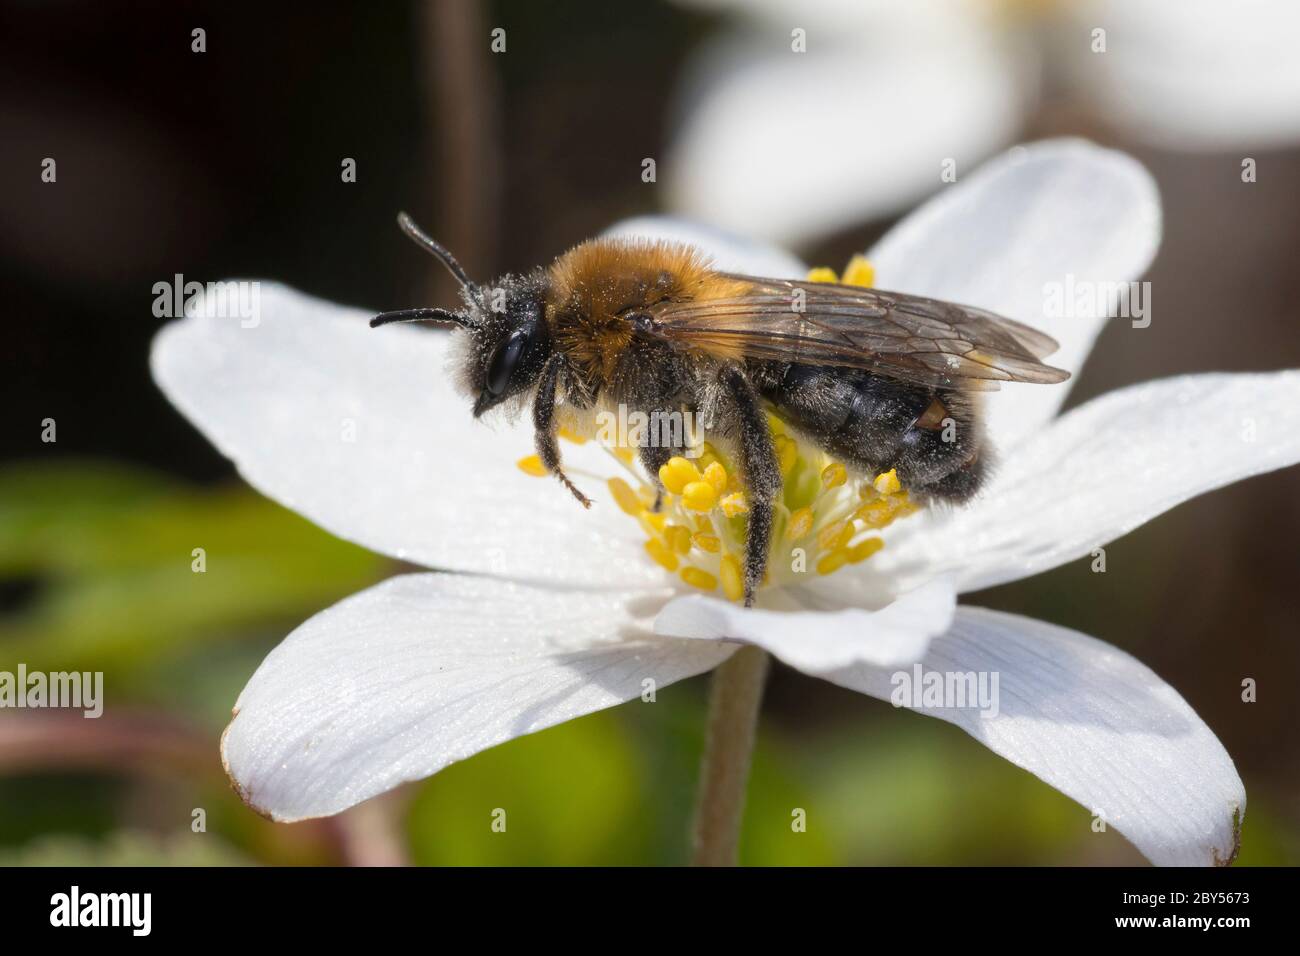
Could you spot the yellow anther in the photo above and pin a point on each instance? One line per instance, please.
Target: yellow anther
(733, 581)
(625, 497)
(876, 513)
(787, 453)
(859, 272)
(623, 454)
(700, 496)
(887, 483)
(801, 522)
(697, 578)
(716, 475)
(832, 562)
(865, 549)
(532, 465)
(734, 504)
(822, 274)
(660, 554)
(678, 537)
(704, 524)
(834, 475)
(707, 542)
(652, 521)
(678, 473)
(835, 536)
(573, 436)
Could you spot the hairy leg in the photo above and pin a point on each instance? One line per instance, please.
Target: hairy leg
(544, 425)
(762, 473)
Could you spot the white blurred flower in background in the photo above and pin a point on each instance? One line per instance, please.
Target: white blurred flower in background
(790, 146)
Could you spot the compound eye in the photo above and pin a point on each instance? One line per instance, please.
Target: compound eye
(504, 362)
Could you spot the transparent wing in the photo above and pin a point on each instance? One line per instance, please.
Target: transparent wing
(903, 336)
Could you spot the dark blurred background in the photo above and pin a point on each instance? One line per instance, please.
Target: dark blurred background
(227, 164)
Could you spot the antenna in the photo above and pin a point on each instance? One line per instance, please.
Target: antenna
(409, 227)
(420, 315)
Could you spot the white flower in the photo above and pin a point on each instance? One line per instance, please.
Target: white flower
(556, 612)
(790, 146)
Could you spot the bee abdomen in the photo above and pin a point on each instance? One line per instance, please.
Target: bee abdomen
(873, 423)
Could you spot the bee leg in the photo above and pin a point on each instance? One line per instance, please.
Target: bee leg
(544, 425)
(762, 473)
(654, 457)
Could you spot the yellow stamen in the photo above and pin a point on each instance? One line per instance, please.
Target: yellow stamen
(835, 536)
(699, 532)
(699, 496)
(859, 272)
(699, 579)
(822, 274)
(787, 453)
(677, 474)
(716, 475)
(733, 582)
(532, 465)
(707, 542)
(832, 561)
(834, 475)
(660, 554)
(801, 522)
(865, 549)
(573, 436)
(625, 497)
(678, 537)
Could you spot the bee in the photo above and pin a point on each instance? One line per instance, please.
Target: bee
(880, 380)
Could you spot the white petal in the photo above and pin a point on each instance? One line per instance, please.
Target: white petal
(792, 146)
(1091, 721)
(817, 641)
(729, 252)
(1191, 74)
(1060, 211)
(398, 681)
(1105, 468)
(360, 430)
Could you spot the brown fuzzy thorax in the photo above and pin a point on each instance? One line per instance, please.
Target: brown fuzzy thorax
(597, 286)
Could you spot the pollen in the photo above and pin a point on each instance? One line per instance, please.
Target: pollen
(827, 516)
(734, 504)
(887, 483)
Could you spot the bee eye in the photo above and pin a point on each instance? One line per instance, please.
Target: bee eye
(503, 363)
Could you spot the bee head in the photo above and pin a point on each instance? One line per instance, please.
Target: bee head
(504, 338)
(509, 341)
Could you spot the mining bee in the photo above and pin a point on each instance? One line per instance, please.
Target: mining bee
(880, 380)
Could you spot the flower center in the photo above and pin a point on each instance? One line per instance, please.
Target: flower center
(824, 518)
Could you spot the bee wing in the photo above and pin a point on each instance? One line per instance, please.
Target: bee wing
(902, 336)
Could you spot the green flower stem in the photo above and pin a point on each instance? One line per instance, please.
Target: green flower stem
(734, 699)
